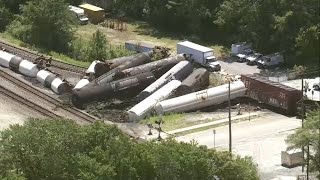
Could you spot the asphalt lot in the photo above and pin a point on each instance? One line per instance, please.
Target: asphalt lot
(236, 68)
(262, 138)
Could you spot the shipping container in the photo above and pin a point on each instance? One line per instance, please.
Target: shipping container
(94, 13)
(272, 93)
(138, 46)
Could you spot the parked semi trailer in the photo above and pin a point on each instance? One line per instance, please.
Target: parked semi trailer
(145, 107)
(272, 93)
(199, 54)
(201, 99)
(131, 85)
(178, 72)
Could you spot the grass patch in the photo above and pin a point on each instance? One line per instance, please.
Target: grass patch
(143, 32)
(171, 121)
(67, 59)
(58, 56)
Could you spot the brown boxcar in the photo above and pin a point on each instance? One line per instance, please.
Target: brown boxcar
(272, 93)
(94, 13)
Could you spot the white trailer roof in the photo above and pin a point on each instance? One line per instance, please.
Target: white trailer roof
(195, 46)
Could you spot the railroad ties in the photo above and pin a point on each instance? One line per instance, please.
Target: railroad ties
(32, 56)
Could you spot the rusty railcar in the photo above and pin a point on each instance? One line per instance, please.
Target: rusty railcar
(277, 95)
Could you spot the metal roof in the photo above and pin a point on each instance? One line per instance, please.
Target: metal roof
(267, 81)
(91, 7)
(195, 46)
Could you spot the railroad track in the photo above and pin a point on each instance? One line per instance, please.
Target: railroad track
(81, 115)
(31, 56)
(26, 102)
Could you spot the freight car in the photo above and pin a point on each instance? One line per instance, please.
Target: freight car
(196, 81)
(18, 64)
(178, 72)
(145, 107)
(51, 81)
(125, 63)
(201, 99)
(158, 68)
(103, 67)
(131, 85)
(272, 93)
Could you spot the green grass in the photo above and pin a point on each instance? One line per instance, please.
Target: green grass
(143, 32)
(60, 57)
(171, 121)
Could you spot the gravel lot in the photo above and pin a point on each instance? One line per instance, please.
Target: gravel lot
(237, 68)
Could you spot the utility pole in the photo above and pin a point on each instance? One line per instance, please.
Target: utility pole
(308, 156)
(230, 137)
(302, 117)
(214, 138)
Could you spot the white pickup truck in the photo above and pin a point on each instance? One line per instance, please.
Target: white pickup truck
(199, 54)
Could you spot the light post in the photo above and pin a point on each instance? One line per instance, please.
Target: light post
(214, 138)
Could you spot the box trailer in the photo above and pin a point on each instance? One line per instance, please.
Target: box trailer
(199, 54)
(79, 13)
(94, 13)
(240, 48)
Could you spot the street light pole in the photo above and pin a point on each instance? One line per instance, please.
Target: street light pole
(214, 138)
(230, 134)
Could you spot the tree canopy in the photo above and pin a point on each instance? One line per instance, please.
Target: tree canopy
(309, 135)
(45, 23)
(61, 149)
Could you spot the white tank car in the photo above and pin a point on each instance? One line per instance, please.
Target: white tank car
(81, 84)
(5, 58)
(42, 75)
(201, 99)
(57, 86)
(145, 107)
(28, 68)
(179, 72)
(92, 66)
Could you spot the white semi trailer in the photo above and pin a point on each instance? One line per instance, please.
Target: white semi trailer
(199, 54)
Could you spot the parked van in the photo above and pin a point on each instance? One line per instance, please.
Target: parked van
(270, 60)
(83, 19)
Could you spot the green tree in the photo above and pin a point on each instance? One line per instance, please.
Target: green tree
(45, 23)
(309, 135)
(62, 149)
(97, 49)
(5, 17)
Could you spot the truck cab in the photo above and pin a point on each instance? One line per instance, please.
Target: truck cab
(199, 54)
(270, 61)
(79, 13)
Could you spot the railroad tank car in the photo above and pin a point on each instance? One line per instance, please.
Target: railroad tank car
(158, 68)
(144, 108)
(91, 68)
(49, 79)
(179, 72)
(272, 93)
(14, 63)
(196, 81)
(81, 83)
(42, 75)
(129, 85)
(5, 58)
(27, 68)
(201, 99)
(136, 60)
(104, 67)
(58, 86)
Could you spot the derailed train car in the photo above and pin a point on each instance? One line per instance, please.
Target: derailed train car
(178, 72)
(133, 61)
(158, 68)
(196, 81)
(277, 95)
(51, 81)
(104, 67)
(201, 99)
(131, 85)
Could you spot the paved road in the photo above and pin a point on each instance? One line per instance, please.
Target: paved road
(263, 139)
(237, 68)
